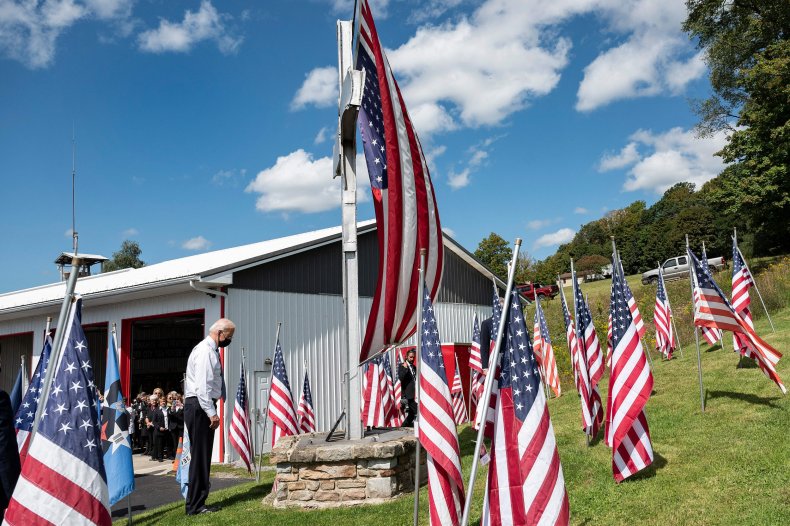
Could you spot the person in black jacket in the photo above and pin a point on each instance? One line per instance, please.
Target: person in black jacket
(9, 455)
(158, 419)
(407, 373)
(487, 335)
(175, 419)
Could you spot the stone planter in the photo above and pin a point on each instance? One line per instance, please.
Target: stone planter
(314, 473)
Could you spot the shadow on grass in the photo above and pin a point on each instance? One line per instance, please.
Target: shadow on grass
(258, 490)
(659, 462)
(745, 397)
(715, 347)
(466, 441)
(746, 363)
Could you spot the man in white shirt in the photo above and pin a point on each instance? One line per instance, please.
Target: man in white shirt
(203, 386)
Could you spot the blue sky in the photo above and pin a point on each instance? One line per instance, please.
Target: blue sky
(208, 124)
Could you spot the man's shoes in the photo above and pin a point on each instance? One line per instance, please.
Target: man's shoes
(206, 509)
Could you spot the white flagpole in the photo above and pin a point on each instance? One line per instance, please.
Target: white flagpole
(754, 281)
(692, 281)
(570, 351)
(420, 292)
(489, 384)
(266, 410)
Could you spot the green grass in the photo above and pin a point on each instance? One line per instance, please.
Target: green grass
(728, 466)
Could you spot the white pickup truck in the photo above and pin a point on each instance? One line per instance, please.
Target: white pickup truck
(678, 267)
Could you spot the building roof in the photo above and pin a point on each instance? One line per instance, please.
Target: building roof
(208, 269)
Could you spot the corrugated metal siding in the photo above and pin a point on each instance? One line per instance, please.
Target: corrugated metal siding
(319, 271)
(12, 348)
(312, 331)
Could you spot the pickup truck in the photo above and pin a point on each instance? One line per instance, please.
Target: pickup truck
(678, 267)
(529, 289)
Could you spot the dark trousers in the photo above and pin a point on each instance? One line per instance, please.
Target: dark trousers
(411, 412)
(201, 439)
(175, 434)
(159, 438)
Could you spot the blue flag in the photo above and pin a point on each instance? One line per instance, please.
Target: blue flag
(16, 392)
(182, 473)
(115, 439)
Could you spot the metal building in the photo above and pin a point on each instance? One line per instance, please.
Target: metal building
(161, 311)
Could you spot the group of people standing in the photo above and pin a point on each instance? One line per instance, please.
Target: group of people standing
(158, 424)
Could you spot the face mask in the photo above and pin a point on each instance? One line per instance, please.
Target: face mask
(225, 342)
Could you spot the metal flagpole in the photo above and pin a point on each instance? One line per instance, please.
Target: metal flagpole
(489, 384)
(249, 420)
(542, 345)
(581, 345)
(420, 292)
(266, 410)
(622, 273)
(692, 281)
(570, 351)
(754, 282)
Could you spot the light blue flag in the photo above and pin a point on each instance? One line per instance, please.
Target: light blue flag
(115, 439)
(182, 473)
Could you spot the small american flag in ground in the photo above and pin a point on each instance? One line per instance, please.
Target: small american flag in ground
(457, 391)
(544, 349)
(712, 336)
(394, 415)
(662, 316)
(407, 218)
(589, 357)
(63, 479)
(525, 481)
(714, 311)
(374, 395)
(496, 316)
(741, 283)
(436, 427)
(631, 383)
(281, 402)
(476, 369)
(239, 433)
(304, 413)
(640, 325)
(579, 367)
(27, 411)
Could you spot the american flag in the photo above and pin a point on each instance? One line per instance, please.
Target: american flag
(609, 341)
(436, 427)
(407, 218)
(525, 481)
(394, 416)
(457, 392)
(590, 360)
(63, 479)
(305, 414)
(496, 316)
(281, 402)
(239, 435)
(375, 395)
(543, 347)
(714, 311)
(630, 385)
(742, 281)
(397, 393)
(640, 324)
(23, 423)
(476, 368)
(711, 335)
(580, 374)
(662, 316)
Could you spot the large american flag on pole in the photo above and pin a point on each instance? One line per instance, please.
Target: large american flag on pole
(714, 311)
(590, 359)
(394, 415)
(23, 423)
(711, 335)
(281, 403)
(742, 281)
(640, 324)
(630, 385)
(305, 413)
(457, 391)
(63, 479)
(407, 218)
(543, 348)
(436, 427)
(239, 434)
(525, 481)
(662, 317)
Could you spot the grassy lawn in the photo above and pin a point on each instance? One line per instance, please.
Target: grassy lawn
(727, 466)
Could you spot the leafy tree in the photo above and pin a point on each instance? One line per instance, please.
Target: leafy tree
(127, 257)
(593, 263)
(495, 253)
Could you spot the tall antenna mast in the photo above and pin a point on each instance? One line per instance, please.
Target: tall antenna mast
(73, 187)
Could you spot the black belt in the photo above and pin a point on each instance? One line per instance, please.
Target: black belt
(195, 398)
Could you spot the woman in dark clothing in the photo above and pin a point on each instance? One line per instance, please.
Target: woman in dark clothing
(175, 419)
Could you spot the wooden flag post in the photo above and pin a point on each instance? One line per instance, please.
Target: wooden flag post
(692, 281)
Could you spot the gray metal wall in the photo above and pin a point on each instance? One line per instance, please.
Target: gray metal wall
(312, 331)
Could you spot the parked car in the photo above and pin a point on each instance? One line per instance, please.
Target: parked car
(529, 289)
(678, 267)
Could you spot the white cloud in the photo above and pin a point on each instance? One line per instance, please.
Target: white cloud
(130, 232)
(196, 243)
(627, 156)
(563, 235)
(580, 210)
(205, 24)
(346, 8)
(675, 156)
(319, 89)
(537, 224)
(322, 135)
(230, 177)
(458, 180)
(109, 9)
(299, 183)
